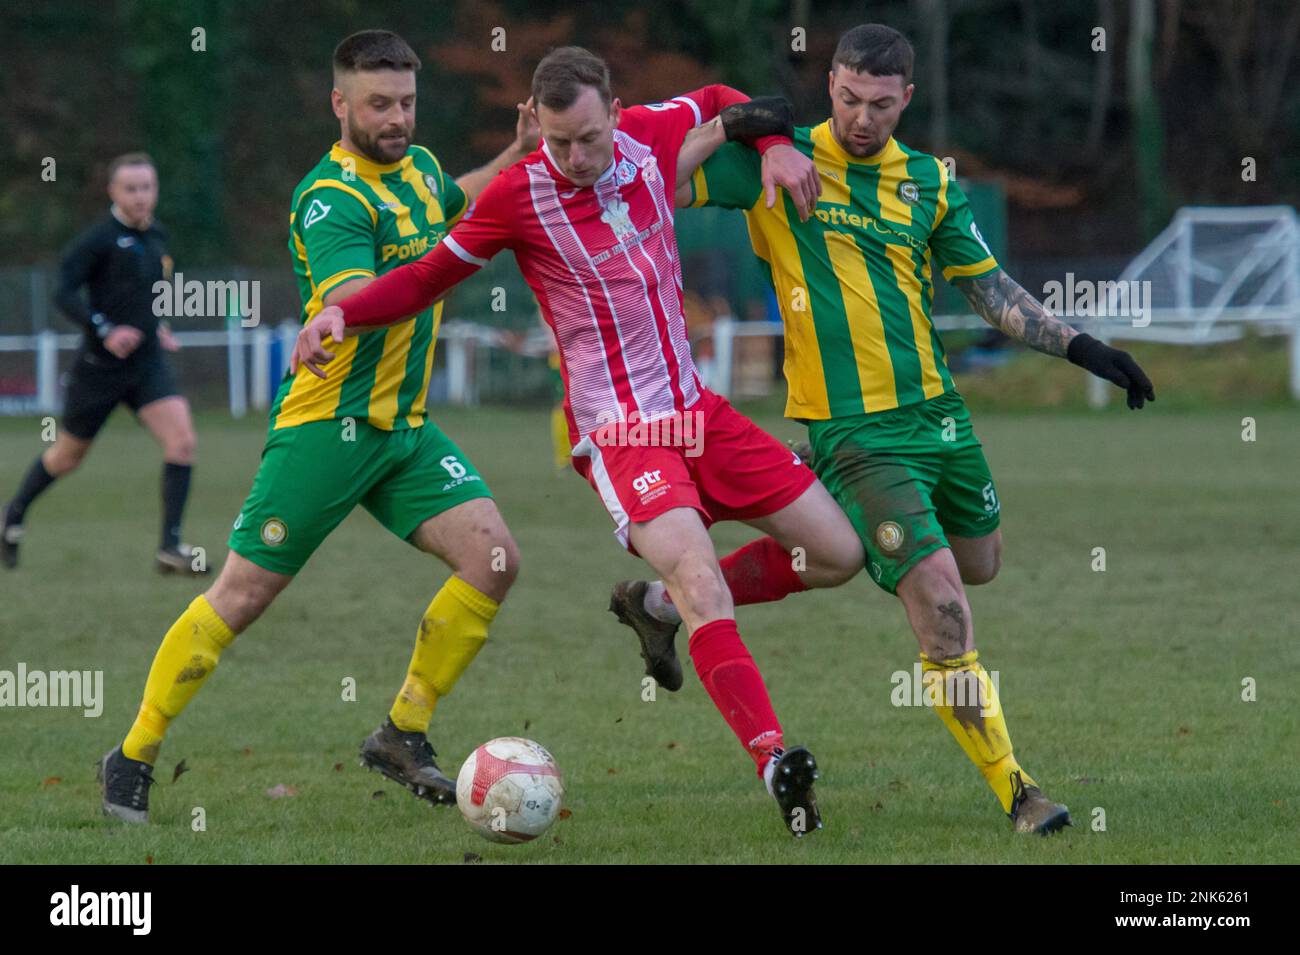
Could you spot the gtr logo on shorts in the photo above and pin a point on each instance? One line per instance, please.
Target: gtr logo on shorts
(889, 536)
(650, 485)
(274, 532)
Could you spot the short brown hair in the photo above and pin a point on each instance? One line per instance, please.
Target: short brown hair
(560, 77)
(130, 159)
(876, 49)
(374, 50)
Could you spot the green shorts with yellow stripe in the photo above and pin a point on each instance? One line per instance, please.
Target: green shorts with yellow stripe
(907, 478)
(312, 475)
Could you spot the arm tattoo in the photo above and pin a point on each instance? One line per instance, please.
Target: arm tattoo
(1001, 302)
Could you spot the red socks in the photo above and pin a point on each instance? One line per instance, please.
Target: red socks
(734, 684)
(760, 572)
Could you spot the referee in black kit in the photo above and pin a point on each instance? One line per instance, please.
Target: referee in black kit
(121, 357)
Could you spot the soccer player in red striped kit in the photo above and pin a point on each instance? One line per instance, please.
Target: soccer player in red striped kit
(589, 217)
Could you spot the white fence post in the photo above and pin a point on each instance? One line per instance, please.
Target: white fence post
(1293, 296)
(47, 372)
(235, 367)
(457, 370)
(260, 392)
(724, 349)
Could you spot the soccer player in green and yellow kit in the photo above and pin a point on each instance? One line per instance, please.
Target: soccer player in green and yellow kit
(359, 436)
(890, 435)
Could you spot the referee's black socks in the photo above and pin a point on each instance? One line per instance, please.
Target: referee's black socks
(36, 480)
(175, 489)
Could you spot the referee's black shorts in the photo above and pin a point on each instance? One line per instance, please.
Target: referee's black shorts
(95, 389)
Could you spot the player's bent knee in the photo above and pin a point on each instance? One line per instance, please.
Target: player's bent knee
(66, 456)
(62, 464)
(243, 591)
(699, 589)
(982, 572)
(180, 449)
(492, 568)
(841, 566)
(504, 564)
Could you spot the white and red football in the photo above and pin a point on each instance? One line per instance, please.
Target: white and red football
(509, 790)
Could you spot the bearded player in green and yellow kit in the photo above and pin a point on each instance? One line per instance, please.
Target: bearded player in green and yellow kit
(359, 435)
(890, 436)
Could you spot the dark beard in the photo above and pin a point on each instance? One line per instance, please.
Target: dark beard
(844, 142)
(371, 149)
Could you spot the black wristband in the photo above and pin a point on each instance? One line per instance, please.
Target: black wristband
(1081, 346)
(764, 116)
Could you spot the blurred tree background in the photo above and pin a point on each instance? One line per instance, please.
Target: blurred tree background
(1094, 137)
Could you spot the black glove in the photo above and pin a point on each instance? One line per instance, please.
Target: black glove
(1113, 365)
(764, 116)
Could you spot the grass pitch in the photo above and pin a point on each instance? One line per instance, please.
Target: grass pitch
(1122, 689)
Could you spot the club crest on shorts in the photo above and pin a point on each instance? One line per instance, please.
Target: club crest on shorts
(274, 532)
(889, 536)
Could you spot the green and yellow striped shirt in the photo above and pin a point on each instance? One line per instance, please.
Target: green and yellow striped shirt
(352, 217)
(854, 281)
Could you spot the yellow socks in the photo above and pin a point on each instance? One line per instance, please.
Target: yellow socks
(967, 702)
(560, 438)
(451, 634)
(189, 652)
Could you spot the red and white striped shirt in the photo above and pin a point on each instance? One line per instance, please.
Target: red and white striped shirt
(601, 259)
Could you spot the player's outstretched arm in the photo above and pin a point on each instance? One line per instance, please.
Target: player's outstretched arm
(383, 301)
(765, 124)
(413, 287)
(1003, 303)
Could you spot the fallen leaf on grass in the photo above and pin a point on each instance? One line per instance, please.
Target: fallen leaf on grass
(281, 791)
(566, 813)
(180, 768)
(52, 780)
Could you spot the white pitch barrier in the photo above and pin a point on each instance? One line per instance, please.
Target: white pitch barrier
(251, 354)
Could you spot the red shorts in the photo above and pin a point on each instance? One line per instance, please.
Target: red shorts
(711, 458)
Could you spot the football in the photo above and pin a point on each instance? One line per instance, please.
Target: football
(509, 790)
